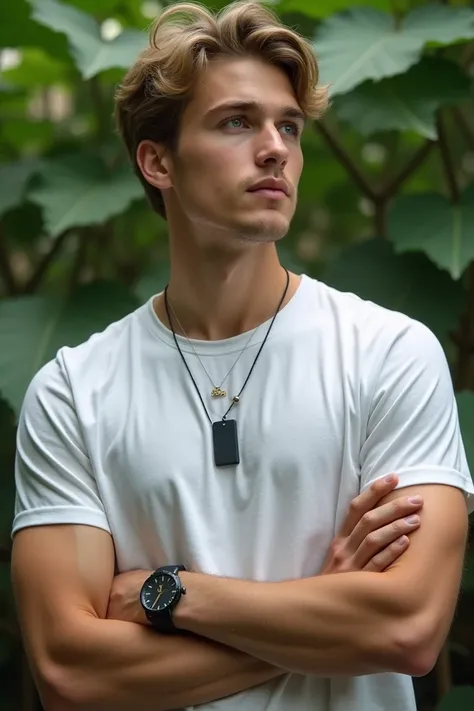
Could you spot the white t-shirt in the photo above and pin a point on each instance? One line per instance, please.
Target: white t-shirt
(112, 434)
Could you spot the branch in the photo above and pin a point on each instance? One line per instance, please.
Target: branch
(101, 108)
(464, 127)
(346, 161)
(380, 219)
(6, 268)
(448, 166)
(41, 269)
(413, 164)
(79, 260)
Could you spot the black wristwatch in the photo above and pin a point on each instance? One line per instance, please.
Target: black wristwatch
(161, 593)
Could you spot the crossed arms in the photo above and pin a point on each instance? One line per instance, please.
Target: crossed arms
(242, 633)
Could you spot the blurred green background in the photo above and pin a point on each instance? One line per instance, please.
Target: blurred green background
(386, 210)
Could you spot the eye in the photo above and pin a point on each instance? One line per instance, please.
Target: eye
(294, 129)
(234, 121)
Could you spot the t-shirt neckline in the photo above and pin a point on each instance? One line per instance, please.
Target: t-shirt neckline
(227, 345)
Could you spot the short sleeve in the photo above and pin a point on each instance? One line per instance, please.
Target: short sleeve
(413, 425)
(54, 480)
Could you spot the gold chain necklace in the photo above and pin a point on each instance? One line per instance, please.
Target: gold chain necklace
(217, 390)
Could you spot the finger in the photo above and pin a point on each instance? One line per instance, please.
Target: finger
(388, 556)
(372, 522)
(366, 502)
(379, 540)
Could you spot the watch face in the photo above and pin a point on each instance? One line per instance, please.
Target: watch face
(159, 592)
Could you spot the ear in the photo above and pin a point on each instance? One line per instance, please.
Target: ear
(155, 164)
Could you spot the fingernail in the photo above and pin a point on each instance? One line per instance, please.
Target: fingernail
(389, 479)
(415, 499)
(412, 519)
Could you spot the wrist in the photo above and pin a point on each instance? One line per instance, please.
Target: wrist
(185, 614)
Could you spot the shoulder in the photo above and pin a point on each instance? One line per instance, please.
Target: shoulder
(377, 332)
(81, 369)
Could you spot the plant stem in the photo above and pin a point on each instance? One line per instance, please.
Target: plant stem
(37, 276)
(380, 221)
(447, 162)
(101, 109)
(79, 260)
(6, 268)
(413, 164)
(346, 161)
(464, 127)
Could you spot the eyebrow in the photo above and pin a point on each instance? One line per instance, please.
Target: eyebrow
(257, 106)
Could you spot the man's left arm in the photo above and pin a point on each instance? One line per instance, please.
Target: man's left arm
(363, 623)
(351, 624)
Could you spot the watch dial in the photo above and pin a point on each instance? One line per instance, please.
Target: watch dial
(159, 592)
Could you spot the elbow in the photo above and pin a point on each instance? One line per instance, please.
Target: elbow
(63, 689)
(415, 650)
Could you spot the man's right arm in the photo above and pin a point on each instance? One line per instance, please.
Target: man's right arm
(62, 576)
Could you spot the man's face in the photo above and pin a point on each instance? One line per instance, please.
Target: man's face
(225, 150)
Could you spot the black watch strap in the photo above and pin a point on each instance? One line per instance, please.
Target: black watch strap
(175, 569)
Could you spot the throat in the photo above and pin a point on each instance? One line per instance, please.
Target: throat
(218, 322)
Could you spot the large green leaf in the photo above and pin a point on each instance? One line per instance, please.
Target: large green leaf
(407, 102)
(77, 191)
(460, 698)
(362, 43)
(91, 53)
(408, 283)
(33, 328)
(429, 223)
(14, 178)
(99, 8)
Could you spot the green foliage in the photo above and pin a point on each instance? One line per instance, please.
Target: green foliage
(91, 53)
(432, 224)
(411, 284)
(390, 219)
(363, 43)
(78, 190)
(407, 102)
(47, 324)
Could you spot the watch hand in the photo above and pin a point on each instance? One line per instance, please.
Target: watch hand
(160, 593)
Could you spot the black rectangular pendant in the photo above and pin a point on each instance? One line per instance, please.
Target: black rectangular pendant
(226, 443)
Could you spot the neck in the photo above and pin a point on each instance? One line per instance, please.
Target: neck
(217, 296)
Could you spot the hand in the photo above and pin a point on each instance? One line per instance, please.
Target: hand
(372, 538)
(124, 601)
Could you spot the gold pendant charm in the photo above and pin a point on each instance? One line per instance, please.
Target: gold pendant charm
(217, 392)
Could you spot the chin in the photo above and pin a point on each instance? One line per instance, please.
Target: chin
(266, 228)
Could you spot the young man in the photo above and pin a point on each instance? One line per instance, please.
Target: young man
(226, 427)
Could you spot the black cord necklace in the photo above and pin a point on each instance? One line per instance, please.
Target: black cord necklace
(224, 431)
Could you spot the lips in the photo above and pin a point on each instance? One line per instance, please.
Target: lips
(271, 187)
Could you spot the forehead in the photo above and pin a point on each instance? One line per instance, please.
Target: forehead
(241, 80)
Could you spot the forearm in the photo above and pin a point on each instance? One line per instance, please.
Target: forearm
(326, 625)
(107, 665)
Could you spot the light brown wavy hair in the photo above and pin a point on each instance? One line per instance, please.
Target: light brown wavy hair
(183, 40)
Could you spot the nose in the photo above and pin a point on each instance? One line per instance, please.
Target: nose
(271, 148)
